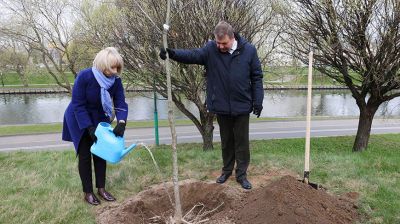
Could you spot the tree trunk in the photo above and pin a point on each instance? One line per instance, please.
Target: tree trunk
(364, 127)
(204, 125)
(2, 79)
(23, 79)
(178, 207)
(207, 133)
(66, 81)
(22, 76)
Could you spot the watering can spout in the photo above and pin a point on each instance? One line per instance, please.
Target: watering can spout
(125, 151)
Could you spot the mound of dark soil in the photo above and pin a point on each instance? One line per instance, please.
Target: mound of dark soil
(290, 201)
(283, 201)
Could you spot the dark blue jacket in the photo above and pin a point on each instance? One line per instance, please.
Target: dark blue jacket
(85, 108)
(234, 84)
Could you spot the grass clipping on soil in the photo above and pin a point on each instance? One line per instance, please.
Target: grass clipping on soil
(285, 200)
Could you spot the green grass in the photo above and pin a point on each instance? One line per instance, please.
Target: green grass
(271, 75)
(30, 129)
(289, 75)
(57, 127)
(318, 79)
(44, 187)
(12, 78)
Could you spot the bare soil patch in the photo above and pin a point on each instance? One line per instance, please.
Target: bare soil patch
(284, 200)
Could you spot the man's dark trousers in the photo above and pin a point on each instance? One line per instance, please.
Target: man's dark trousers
(234, 131)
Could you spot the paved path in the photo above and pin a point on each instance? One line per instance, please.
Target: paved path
(258, 130)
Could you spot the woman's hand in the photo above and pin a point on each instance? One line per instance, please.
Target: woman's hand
(91, 131)
(120, 128)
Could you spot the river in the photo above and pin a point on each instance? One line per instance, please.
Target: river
(48, 108)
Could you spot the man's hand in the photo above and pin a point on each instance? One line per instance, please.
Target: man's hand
(119, 129)
(257, 110)
(91, 130)
(163, 53)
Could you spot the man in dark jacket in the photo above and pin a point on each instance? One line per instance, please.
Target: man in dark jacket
(234, 90)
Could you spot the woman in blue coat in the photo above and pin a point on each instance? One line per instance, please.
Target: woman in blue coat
(96, 90)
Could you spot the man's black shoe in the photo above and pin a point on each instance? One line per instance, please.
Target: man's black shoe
(245, 183)
(223, 178)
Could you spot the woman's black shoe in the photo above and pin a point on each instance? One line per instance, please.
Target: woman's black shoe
(105, 195)
(91, 199)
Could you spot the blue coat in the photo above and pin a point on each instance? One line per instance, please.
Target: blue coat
(85, 108)
(234, 82)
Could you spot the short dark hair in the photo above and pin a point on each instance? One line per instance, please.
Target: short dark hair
(223, 28)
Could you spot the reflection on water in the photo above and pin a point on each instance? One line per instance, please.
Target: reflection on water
(46, 108)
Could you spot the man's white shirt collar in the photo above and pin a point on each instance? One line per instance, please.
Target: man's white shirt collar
(234, 47)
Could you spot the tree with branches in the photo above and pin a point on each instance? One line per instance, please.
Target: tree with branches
(139, 38)
(15, 56)
(357, 43)
(45, 27)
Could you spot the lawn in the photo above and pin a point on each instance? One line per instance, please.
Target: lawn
(12, 78)
(272, 75)
(44, 187)
(7, 130)
(290, 76)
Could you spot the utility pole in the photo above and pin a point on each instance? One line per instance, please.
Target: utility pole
(155, 114)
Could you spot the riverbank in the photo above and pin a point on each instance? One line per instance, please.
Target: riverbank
(44, 89)
(18, 129)
(27, 129)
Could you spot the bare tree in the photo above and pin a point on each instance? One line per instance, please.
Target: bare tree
(357, 43)
(193, 22)
(97, 23)
(47, 27)
(171, 119)
(15, 56)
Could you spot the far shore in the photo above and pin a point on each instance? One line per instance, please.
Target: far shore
(46, 88)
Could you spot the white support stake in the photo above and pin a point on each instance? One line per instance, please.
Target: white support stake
(308, 123)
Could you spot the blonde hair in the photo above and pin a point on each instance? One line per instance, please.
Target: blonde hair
(107, 58)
